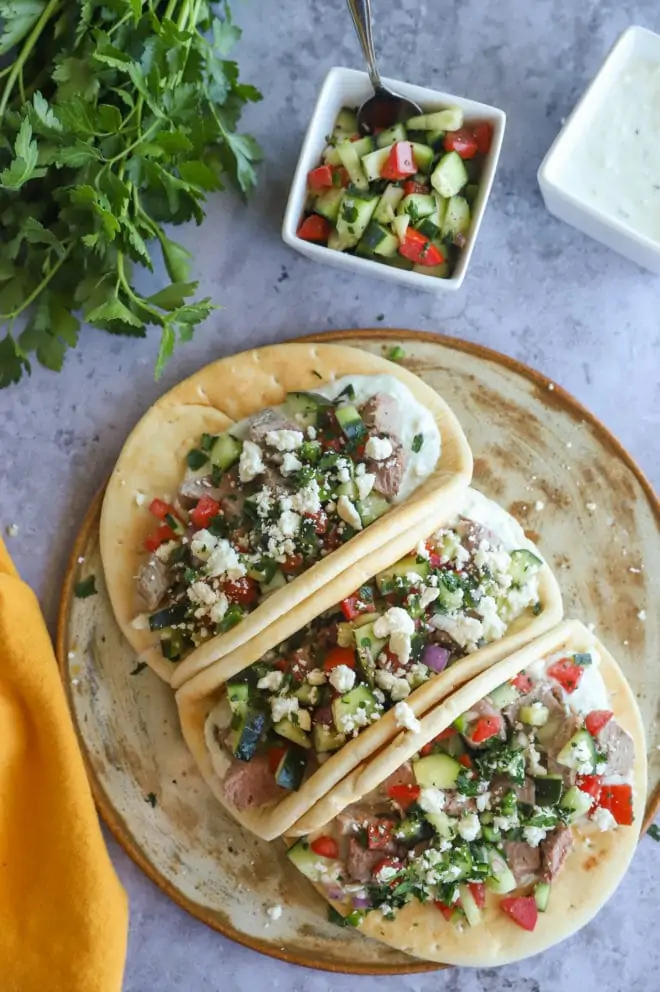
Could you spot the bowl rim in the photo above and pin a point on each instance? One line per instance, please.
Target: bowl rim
(329, 92)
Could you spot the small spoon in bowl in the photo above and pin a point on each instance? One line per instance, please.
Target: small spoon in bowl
(385, 108)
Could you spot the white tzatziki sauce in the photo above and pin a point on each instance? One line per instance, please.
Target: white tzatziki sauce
(613, 163)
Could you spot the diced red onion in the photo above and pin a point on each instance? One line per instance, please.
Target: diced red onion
(335, 894)
(435, 657)
(323, 715)
(361, 902)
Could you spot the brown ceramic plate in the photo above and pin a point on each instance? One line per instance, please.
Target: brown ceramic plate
(542, 456)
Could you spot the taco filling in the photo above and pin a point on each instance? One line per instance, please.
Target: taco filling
(286, 713)
(489, 809)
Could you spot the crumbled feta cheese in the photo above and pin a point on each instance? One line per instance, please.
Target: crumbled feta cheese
(483, 801)
(219, 608)
(360, 469)
(273, 680)
(348, 513)
(350, 723)
(284, 440)
(461, 555)
(397, 688)
(251, 463)
(534, 760)
(274, 912)
(282, 707)
(344, 474)
(539, 505)
(290, 464)
(386, 910)
(422, 551)
(406, 719)
(641, 615)
(414, 578)
(342, 678)
(590, 507)
(223, 560)
(603, 819)
(386, 873)
(534, 835)
(365, 483)
(140, 498)
(165, 550)
(289, 523)
(399, 626)
(378, 695)
(317, 677)
(428, 596)
(378, 448)
(308, 499)
(416, 674)
(432, 800)
(506, 822)
(201, 594)
(469, 826)
(466, 631)
(311, 433)
(203, 543)
(493, 627)
(140, 622)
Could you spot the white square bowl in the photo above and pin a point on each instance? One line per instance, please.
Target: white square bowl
(347, 87)
(561, 197)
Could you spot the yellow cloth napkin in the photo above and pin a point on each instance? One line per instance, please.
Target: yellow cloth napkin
(63, 912)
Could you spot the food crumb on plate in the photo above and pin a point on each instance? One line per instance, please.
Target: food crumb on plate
(274, 912)
(641, 615)
(12, 530)
(590, 507)
(539, 505)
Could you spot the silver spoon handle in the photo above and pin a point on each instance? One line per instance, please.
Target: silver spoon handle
(361, 14)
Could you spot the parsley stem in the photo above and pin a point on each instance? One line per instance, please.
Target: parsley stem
(31, 41)
(138, 141)
(40, 288)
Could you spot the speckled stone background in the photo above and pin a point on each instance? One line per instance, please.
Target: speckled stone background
(537, 290)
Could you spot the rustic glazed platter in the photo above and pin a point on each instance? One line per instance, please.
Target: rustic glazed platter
(541, 455)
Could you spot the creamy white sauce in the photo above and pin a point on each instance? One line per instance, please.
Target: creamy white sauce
(494, 517)
(613, 161)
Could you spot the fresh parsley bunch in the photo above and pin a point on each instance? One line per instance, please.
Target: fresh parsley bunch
(116, 117)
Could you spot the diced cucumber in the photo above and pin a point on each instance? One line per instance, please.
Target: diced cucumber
(340, 242)
(350, 421)
(442, 120)
(548, 790)
(360, 699)
(388, 203)
(347, 489)
(308, 695)
(579, 753)
(417, 205)
(262, 571)
(411, 830)
(439, 271)
(449, 176)
(345, 631)
(470, 908)
(292, 732)
(457, 219)
(437, 771)
(291, 769)
(225, 451)
(422, 157)
(305, 407)
(523, 564)
(373, 163)
(503, 695)
(490, 833)
(172, 644)
(398, 261)
(391, 135)
(331, 156)
(312, 865)
(354, 217)
(364, 146)
(346, 123)
(368, 648)
(238, 694)
(350, 159)
(428, 227)
(310, 451)
(326, 738)
(400, 226)
(534, 715)
(435, 139)
(442, 824)
(502, 879)
(380, 240)
(278, 581)
(247, 728)
(387, 579)
(327, 203)
(471, 192)
(371, 508)
(449, 599)
(542, 896)
(577, 802)
(460, 723)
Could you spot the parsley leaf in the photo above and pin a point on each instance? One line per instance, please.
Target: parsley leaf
(85, 588)
(654, 832)
(396, 353)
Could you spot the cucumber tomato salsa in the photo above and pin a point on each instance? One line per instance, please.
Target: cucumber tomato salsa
(344, 670)
(487, 811)
(267, 499)
(402, 197)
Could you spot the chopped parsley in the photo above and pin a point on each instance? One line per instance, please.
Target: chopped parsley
(151, 799)
(654, 832)
(417, 442)
(396, 353)
(85, 588)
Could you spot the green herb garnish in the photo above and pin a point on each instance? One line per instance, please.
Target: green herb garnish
(196, 458)
(396, 353)
(207, 442)
(85, 588)
(654, 832)
(417, 442)
(152, 799)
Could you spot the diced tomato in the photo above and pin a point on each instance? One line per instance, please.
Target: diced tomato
(483, 135)
(379, 833)
(204, 512)
(462, 141)
(410, 186)
(596, 720)
(567, 673)
(387, 863)
(332, 539)
(404, 794)
(275, 755)
(522, 910)
(339, 656)
(325, 846)
(160, 536)
(319, 178)
(314, 228)
(419, 249)
(447, 911)
(522, 683)
(244, 591)
(291, 564)
(340, 176)
(435, 558)
(465, 760)
(478, 892)
(400, 162)
(159, 508)
(485, 728)
(619, 800)
(354, 606)
(320, 521)
(591, 784)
